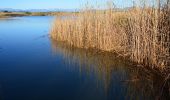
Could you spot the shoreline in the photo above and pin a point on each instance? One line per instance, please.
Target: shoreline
(21, 14)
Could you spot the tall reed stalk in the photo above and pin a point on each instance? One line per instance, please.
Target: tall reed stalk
(141, 33)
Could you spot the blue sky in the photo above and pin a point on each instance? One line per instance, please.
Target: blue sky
(51, 4)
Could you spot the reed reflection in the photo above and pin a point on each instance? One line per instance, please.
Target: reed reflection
(114, 75)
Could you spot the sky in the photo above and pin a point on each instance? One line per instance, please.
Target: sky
(52, 4)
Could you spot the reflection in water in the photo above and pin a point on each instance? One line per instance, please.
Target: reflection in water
(115, 76)
(14, 19)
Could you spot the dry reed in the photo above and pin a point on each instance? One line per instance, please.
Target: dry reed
(141, 33)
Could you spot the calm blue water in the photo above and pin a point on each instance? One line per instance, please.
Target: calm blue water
(34, 67)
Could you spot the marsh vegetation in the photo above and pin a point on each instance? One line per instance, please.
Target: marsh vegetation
(140, 33)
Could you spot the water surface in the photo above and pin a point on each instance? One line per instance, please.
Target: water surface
(34, 67)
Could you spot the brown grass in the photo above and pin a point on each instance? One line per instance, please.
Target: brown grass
(141, 33)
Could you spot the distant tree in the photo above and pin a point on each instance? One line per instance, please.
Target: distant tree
(28, 13)
(5, 11)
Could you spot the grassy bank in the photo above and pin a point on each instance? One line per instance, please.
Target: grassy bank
(20, 14)
(141, 33)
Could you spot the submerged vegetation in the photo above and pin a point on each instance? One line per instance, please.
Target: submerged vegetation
(141, 33)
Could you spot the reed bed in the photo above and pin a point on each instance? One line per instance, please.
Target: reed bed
(141, 33)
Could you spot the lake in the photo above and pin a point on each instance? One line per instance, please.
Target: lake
(34, 67)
